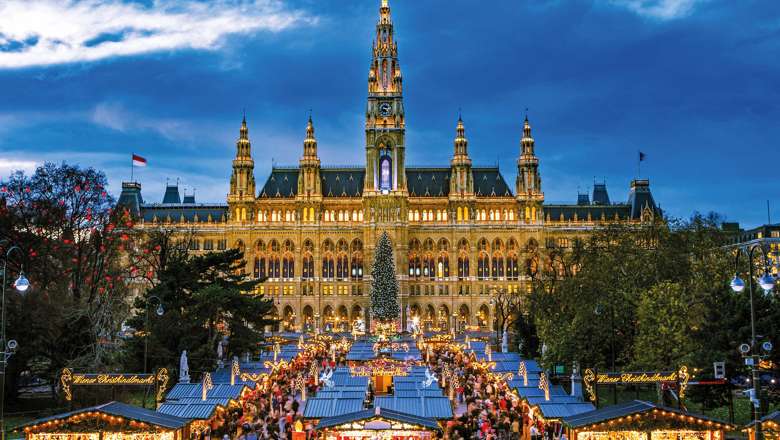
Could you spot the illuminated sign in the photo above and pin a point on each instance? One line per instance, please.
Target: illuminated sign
(382, 367)
(69, 379)
(593, 378)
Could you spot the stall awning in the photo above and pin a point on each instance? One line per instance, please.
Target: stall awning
(772, 420)
(195, 390)
(427, 407)
(378, 414)
(318, 408)
(118, 409)
(641, 407)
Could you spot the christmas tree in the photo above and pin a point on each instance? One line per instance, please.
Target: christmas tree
(384, 285)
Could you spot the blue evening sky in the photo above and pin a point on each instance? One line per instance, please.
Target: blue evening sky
(695, 84)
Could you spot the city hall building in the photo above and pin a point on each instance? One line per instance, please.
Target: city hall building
(461, 233)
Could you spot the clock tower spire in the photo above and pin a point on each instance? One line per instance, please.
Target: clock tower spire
(385, 124)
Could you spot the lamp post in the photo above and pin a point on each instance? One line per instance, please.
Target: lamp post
(160, 311)
(767, 283)
(9, 347)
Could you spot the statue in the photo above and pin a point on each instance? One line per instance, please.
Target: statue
(327, 378)
(408, 319)
(184, 368)
(430, 378)
(505, 342)
(221, 351)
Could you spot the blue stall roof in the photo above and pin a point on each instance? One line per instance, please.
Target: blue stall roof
(195, 390)
(623, 409)
(334, 393)
(378, 414)
(431, 407)
(124, 410)
(318, 408)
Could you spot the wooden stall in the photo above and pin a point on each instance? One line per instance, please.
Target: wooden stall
(770, 427)
(109, 421)
(640, 420)
(377, 424)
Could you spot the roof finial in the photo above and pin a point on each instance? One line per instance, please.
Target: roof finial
(309, 115)
(384, 4)
(526, 114)
(459, 115)
(244, 120)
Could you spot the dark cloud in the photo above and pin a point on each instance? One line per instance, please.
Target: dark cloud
(698, 93)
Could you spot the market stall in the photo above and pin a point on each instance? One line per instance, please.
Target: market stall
(377, 424)
(770, 427)
(640, 420)
(109, 421)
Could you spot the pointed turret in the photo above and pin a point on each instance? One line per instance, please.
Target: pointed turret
(309, 183)
(529, 182)
(242, 182)
(461, 177)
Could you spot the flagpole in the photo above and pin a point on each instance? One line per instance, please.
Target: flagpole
(132, 166)
(638, 164)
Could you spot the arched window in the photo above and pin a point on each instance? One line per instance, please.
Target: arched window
(274, 267)
(385, 171)
(443, 267)
(259, 267)
(342, 267)
(463, 267)
(483, 267)
(512, 271)
(498, 266)
(327, 267)
(288, 267)
(307, 270)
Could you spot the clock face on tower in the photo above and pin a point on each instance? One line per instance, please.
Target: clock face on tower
(384, 109)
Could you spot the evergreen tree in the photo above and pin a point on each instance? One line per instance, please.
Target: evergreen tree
(384, 285)
(205, 297)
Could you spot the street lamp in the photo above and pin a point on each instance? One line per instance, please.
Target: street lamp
(767, 283)
(160, 311)
(9, 347)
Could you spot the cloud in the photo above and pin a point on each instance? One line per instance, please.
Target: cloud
(659, 9)
(48, 32)
(117, 117)
(8, 167)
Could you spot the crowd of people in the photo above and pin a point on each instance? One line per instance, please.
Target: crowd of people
(486, 409)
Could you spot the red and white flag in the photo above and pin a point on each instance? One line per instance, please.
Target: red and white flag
(139, 161)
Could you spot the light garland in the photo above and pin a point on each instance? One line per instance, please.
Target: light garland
(544, 385)
(523, 371)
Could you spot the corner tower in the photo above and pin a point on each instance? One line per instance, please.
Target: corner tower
(529, 182)
(309, 184)
(385, 124)
(242, 182)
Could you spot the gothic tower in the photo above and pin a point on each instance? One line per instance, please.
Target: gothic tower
(309, 182)
(385, 132)
(462, 195)
(529, 182)
(242, 181)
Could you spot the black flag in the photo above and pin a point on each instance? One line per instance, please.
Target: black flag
(641, 156)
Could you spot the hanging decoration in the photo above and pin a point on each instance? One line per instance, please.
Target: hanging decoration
(523, 371)
(235, 371)
(206, 385)
(544, 385)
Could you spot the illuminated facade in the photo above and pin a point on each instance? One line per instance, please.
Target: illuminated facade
(460, 231)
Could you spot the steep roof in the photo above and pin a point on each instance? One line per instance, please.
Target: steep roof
(624, 409)
(118, 409)
(378, 413)
(421, 182)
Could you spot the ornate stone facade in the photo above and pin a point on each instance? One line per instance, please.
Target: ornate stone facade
(459, 232)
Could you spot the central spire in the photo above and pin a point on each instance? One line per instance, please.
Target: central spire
(385, 73)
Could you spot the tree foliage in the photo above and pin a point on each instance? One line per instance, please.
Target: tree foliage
(61, 217)
(204, 297)
(655, 297)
